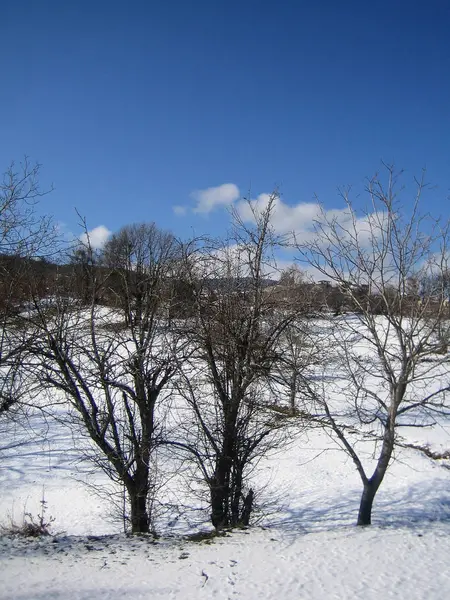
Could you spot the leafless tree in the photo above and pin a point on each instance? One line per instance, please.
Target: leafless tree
(142, 260)
(84, 274)
(22, 231)
(292, 277)
(114, 371)
(385, 362)
(228, 423)
(299, 354)
(26, 238)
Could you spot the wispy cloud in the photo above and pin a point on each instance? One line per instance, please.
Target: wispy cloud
(214, 197)
(96, 238)
(285, 218)
(301, 219)
(180, 211)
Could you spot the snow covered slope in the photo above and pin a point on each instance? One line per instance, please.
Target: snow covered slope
(272, 564)
(308, 548)
(305, 544)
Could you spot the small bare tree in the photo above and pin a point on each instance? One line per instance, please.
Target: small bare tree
(114, 372)
(299, 353)
(389, 349)
(142, 260)
(24, 237)
(22, 231)
(228, 423)
(83, 274)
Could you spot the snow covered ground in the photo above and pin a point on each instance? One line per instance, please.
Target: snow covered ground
(274, 563)
(307, 548)
(305, 544)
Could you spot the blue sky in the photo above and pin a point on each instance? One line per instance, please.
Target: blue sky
(133, 107)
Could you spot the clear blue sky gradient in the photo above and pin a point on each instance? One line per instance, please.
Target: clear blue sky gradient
(132, 105)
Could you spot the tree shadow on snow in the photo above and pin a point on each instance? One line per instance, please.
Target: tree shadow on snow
(314, 516)
(35, 447)
(414, 505)
(411, 506)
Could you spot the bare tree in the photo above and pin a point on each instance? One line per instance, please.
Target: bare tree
(228, 423)
(114, 373)
(386, 357)
(299, 354)
(84, 273)
(292, 277)
(24, 237)
(142, 260)
(22, 231)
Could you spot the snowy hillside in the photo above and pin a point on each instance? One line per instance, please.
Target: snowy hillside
(306, 545)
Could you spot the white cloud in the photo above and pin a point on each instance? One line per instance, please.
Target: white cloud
(213, 197)
(301, 219)
(298, 219)
(285, 218)
(96, 237)
(179, 211)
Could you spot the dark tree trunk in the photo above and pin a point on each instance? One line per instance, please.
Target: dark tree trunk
(219, 506)
(220, 492)
(138, 494)
(221, 487)
(293, 393)
(230, 508)
(236, 495)
(371, 485)
(140, 520)
(247, 509)
(365, 507)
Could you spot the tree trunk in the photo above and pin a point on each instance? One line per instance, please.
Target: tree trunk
(236, 496)
(138, 493)
(365, 507)
(219, 505)
(293, 394)
(247, 508)
(140, 521)
(371, 485)
(220, 492)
